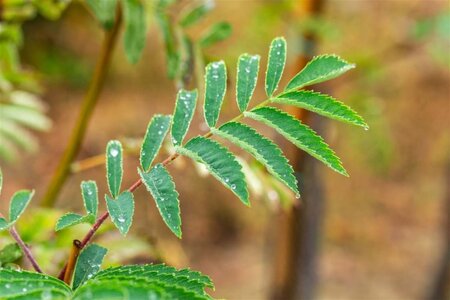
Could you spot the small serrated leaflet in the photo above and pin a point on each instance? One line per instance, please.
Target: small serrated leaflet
(156, 132)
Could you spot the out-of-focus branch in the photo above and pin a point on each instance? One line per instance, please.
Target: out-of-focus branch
(88, 105)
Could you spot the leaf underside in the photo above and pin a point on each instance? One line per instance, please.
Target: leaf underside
(221, 163)
(264, 150)
(160, 184)
(218, 32)
(299, 134)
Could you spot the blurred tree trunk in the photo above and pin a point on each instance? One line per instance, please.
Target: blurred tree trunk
(299, 229)
(440, 288)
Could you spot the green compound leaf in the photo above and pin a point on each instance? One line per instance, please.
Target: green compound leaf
(221, 163)
(156, 132)
(121, 211)
(114, 168)
(322, 104)
(3, 224)
(196, 14)
(160, 269)
(319, 69)
(135, 29)
(264, 150)
(160, 274)
(88, 264)
(216, 86)
(299, 134)
(105, 11)
(89, 191)
(19, 202)
(20, 284)
(217, 33)
(247, 75)
(275, 64)
(160, 184)
(182, 117)
(71, 219)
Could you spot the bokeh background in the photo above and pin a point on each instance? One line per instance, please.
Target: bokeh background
(383, 230)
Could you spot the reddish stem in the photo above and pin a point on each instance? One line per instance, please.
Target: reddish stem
(25, 249)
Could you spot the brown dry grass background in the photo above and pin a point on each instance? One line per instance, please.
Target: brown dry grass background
(383, 228)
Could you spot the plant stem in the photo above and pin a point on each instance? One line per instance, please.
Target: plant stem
(88, 105)
(76, 248)
(23, 246)
(25, 249)
(136, 185)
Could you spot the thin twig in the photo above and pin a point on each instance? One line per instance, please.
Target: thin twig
(25, 249)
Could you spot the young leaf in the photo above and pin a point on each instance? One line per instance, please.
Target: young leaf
(182, 117)
(160, 184)
(319, 69)
(275, 64)
(71, 219)
(88, 263)
(105, 11)
(121, 211)
(3, 224)
(156, 132)
(247, 75)
(322, 104)
(216, 85)
(194, 15)
(89, 192)
(135, 29)
(299, 134)
(218, 32)
(21, 284)
(220, 162)
(114, 168)
(262, 149)
(19, 202)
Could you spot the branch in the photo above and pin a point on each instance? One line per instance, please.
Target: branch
(88, 105)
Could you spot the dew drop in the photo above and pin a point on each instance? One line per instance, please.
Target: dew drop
(227, 179)
(24, 289)
(233, 186)
(160, 132)
(297, 196)
(121, 219)
(7, 285)
(114, 152)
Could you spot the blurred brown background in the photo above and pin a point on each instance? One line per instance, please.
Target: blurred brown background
(383, 228)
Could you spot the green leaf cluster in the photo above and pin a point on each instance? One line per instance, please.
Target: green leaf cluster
(126, 282)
